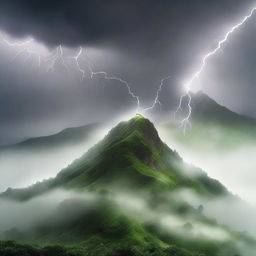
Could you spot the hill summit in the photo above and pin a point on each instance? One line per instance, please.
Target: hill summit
(131, 154)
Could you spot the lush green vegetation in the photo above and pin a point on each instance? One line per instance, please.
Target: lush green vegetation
(91, 247)
(131, 153)
(131, 159)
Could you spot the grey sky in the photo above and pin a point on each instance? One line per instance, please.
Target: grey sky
(139, 41)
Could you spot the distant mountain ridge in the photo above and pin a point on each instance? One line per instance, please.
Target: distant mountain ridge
(66, 136)
(205, 107)
(211, 124)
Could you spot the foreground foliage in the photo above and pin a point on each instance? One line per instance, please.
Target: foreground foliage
(96, 247)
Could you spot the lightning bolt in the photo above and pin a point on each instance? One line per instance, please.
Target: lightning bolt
(113, 78)
(13, 44)
(24, 48)
(62, 58)
(30, 54)
(54, 57)
(76, 59)
(58, 55)
(185, 121)
(156, 100)
(51, 58)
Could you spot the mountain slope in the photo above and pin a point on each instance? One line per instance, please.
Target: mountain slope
(213, 123)
(219, 141)
(126, 197)
(29, 158)
(239, 127)
(223, 143)
(131, 154)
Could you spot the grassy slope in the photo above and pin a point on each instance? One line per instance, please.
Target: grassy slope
(92, 247)
(131, 154)
(101, 230)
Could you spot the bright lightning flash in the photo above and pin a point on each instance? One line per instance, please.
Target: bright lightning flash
(23, 47)
(31, 48)
(187, 87)
(156, 100)
(113, 78)
(52, 58)
(76, 59)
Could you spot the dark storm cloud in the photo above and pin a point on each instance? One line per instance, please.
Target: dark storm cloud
(45, 103)
(150, 39)
(163, 37)
(114, 21)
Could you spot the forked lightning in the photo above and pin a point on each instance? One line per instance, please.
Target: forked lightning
(187, 87)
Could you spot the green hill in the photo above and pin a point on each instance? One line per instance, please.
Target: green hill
(131, 154)
(133, 181)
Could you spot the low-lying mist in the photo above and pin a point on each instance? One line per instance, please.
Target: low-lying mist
(225, 155)
(183, 213)
(26, 165)
(24, 215)
(21, 166)
(179, 214)
(227, 210)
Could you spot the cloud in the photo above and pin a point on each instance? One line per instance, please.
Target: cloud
(92, 22)
(139, 41)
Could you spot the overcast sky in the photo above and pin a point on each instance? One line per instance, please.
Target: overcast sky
(140, 41)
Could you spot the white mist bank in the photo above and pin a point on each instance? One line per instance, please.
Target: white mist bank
(227, 210)
(234, 168)
(24, 215)
(21, 167)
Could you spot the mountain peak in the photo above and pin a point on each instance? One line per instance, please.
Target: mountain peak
(130, 149)
(131, 154)
(136, 126)
(138, 116)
